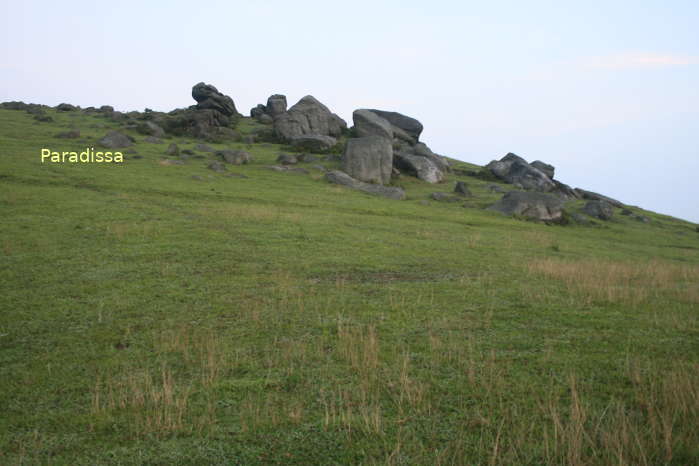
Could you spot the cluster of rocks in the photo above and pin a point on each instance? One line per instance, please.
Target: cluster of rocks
(276, 105)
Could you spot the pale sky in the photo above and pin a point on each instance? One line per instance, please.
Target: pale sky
(608, 92)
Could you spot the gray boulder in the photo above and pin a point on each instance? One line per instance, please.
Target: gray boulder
(589, 195)
(116, 140)
(369, 159)
(515, 170)
(421, 167)
(538, 206)
(445, 197)
(66, 107)
(341, 178)
(204, 148)
(234, 157)
(209, 98)
(287, 159)
(462, 190)
(265, 119)
(599, 209)
(548, 170)
(152, 129)
(276, 105)
(172, 149)
(422, 150)
(368, 123)
(409, 126)
(152, 140)
(257, 111)
(313, 142)
(218, 167)
(308, 116)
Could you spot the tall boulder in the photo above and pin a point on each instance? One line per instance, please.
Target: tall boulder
(308, 116)
(276, 105)
(369, 159)
(208, 97)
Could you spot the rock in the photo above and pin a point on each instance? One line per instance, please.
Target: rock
(188, 152)
(368, 123)
(626, 212)
(462, 189)
(208, 97)
(203, 124)
(332, 158)
(495, 188)
(116, 140)
(106, 109)
(172, 149)
(581, 219)
(599, 209)
(409, 126)
(564, 191)
(287, 159)
(368, 159)
(286, 168)
(515, 170)
(72, 134)
(167, 162)
(265, 119)
(258, 110)
(153, 140)
(341, 178)
(204, 148)
(218, 167)
(589, 195)
(538, 206)
(445, 197)
(66, 108)
(548, 170)
(313, 142)
(276, 105)
(249, 139)
(152, 129)
(43, 118)
(234, 157)
(640, 218)
(422, 150)
(307, 158)
(14, 105)
(422, 167)
(320, 167)
(308, 116)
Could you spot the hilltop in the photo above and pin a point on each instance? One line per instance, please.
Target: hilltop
(259, 290)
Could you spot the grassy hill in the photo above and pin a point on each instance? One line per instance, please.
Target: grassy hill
(168, 314)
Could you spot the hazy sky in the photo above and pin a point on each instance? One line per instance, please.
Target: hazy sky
(608, 92)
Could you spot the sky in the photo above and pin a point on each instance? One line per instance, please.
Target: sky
(606, 91)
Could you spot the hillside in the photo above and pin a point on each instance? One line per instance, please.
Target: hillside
(157, 311)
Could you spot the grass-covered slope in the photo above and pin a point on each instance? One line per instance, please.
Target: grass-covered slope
(149, 317)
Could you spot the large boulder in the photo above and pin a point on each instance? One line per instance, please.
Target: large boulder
(313, 142)
(368, 123)
(538, 206)
(515, 170)
(203, 124)
(408, 125)
(369, 159)
(421, 167)
(342, 178)
(276, 105)
(599, 209)
(308, 116)
(591, 196)
(547, 169)
(116, 140)
(208, 97)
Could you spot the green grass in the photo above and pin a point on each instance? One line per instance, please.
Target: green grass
(147, 317)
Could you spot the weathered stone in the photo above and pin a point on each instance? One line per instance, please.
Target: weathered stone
(66, 108)
(342, 178)
(153, 140)
(258, 110)
(72, 134)
(599, 209)
(409, 125)
(234, 157)
(116, 140)
(368, 123)
(276, 105)
(287, 159)
(445, 197)
(208, 97)
(204, 148)
(313, 142)
(462, 189)
(547, 169)
(368, 159)
(515, 170)
(589, 195)
(538, 206)
(217, 166)
(172, 149)
(422, 167)
(308, 116)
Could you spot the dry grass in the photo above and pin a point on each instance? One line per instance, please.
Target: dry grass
(619, 282)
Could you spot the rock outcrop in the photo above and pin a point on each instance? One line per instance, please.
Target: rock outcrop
(534, 205)
(342, 178)
(591, 196)
(599, 209)
(209, 98)
(308, 116)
